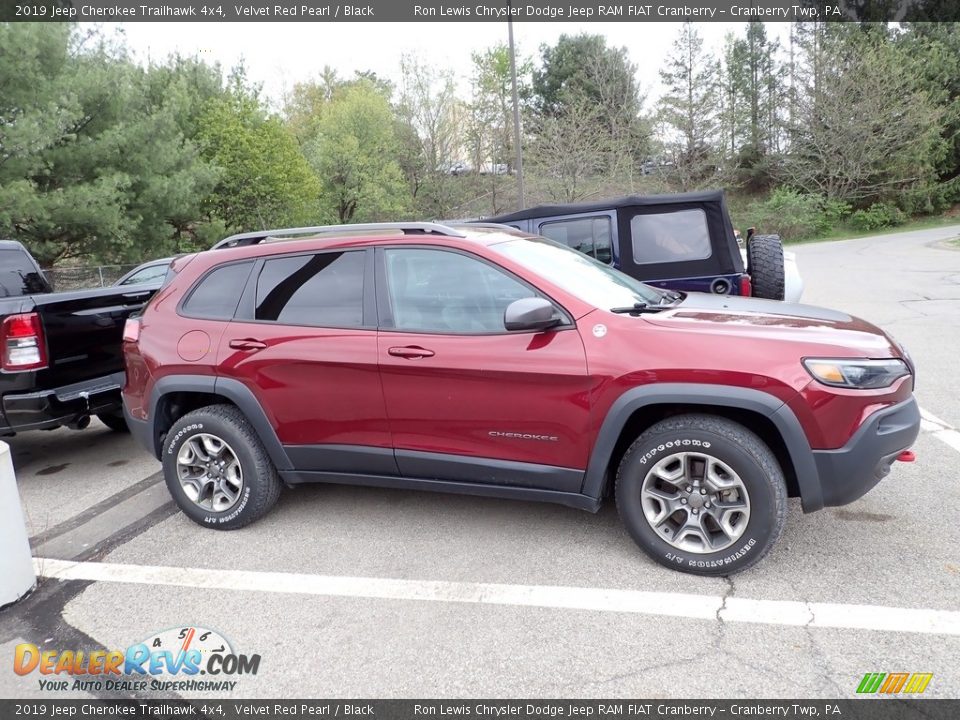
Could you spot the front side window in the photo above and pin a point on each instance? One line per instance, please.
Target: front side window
(581, 276)
(670, 237)
(216, 296)
(323, 290)
(591, 236)
(447, 292)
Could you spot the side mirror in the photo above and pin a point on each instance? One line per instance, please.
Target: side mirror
(530, 314)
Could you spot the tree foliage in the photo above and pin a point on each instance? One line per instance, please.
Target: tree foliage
(263, 179)
(689, 109)
(866, 131)
(104, 159)
(94, 160)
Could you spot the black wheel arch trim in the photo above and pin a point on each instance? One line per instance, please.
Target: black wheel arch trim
(234, 391)
(720, 396)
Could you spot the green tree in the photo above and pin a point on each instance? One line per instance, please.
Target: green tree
(689, 109)
(92, 164)
(867, 131)
(934, 49)
(582, 67)
(264, 180)
(354, 154)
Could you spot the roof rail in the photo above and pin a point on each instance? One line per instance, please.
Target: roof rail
(482, 224)
(408, 228)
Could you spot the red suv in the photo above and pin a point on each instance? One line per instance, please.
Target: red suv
(482, 360)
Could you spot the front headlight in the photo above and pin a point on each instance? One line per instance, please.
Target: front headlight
(861, 374)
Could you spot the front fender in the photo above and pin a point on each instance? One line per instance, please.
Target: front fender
(720, 396)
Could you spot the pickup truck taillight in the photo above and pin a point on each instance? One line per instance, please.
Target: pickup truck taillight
(746, 287)
(22, 342)
(131, 330)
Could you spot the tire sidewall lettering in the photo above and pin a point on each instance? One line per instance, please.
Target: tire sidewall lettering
(673, 445)
(174, 442)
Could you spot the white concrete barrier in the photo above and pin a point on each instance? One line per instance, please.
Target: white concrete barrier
(17, 576)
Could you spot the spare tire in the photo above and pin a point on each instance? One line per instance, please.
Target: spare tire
(765, 266)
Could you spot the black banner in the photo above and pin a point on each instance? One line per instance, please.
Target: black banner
(874, 709)
(470, 10)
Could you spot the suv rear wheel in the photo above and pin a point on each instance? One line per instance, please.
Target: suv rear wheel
(218, 470)
(702, 494)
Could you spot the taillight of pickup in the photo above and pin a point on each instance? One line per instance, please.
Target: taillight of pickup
(21, 337)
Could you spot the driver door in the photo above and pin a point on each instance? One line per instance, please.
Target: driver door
(467, 400)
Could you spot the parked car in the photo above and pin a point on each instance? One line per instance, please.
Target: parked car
(490, 362)
(60, 353)
(682, 242)
(150, 272)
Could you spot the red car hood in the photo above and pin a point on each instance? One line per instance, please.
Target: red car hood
(753, 317)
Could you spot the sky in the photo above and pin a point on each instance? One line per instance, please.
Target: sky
(279, 55)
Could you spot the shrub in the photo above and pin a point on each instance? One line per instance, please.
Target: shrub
(878, 216)
(795, 215)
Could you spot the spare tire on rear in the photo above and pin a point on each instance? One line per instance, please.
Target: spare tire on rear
(765, 266)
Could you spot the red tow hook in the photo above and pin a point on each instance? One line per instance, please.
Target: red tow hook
(907, 456)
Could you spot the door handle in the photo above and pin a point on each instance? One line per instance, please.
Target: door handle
(247, 344)
(411, 352)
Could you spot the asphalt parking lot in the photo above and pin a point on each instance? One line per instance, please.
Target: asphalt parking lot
(358, 592)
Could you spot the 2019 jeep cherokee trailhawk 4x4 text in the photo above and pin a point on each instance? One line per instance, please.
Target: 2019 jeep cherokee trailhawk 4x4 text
(485, 361)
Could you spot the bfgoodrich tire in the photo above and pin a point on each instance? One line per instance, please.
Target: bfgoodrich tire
(702, 494)
(765, 266)
(217, 470)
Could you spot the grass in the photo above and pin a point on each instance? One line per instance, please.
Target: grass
(847, 233)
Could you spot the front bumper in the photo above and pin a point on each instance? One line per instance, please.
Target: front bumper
(848, 473)
(60, 406)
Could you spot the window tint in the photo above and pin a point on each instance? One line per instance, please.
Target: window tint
(324, 290)
(148, 274)
(591, 236)
(18, 276)
(438, 291)
(670, 237)
(218, 294)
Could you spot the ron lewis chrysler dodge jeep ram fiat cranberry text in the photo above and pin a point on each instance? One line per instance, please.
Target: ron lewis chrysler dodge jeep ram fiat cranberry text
(482, 360)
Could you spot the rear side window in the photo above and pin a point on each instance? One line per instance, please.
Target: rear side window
(670, 237)
(322, 290)
(217, 295)
(591, 236)
(18, 276)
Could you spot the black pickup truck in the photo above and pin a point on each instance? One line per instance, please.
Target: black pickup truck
(60, 358)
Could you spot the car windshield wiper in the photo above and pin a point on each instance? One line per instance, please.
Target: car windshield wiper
(636, 309)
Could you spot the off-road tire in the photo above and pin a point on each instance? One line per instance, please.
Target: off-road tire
(261, 483)
(114, 421)
(732, 444)
(765, 266)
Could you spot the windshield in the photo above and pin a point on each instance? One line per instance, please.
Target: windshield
(581, 276)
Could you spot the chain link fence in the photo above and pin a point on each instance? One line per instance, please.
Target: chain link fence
(84, 278)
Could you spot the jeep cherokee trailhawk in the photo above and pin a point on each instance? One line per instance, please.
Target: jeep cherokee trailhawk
(481, 360)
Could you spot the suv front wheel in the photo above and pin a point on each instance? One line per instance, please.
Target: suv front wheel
(702, 494)
(218, 470)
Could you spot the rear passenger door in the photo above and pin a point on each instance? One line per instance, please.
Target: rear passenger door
(304, 341)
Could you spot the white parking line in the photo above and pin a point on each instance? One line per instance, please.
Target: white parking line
(684, 605)
(940, 429)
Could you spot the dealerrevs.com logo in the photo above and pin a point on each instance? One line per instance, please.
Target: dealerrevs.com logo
(172, 660)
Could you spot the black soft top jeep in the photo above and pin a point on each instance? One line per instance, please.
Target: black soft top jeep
(682, 241)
